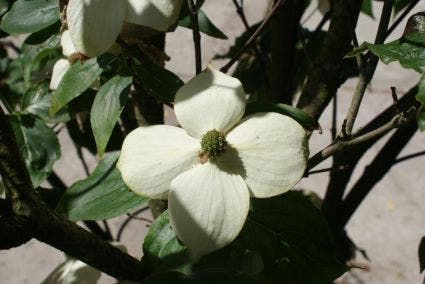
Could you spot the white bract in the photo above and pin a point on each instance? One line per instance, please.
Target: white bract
(74, 271)
(94, 25)
(159, 15)
(211, 166)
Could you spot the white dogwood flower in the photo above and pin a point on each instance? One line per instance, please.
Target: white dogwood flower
(211, 166)
(94, 25)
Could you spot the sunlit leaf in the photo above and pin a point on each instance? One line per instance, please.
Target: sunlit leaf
(106, 109)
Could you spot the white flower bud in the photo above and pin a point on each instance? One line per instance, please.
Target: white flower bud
(67, 46)
(156, 14)
(59, 69)
(94, 25)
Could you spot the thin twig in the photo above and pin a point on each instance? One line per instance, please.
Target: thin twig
(322, 22)
(107, 229)
(408, 157)
(82, 159)
(366, 72)
(193, 12)
(241, 13)
(339, 146)
(248, 43)
(127, 221)
(319, 171)
(376, 170)
(401, 18)
(334, 117)
(140, 218)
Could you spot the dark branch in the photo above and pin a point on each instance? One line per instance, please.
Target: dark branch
(330, 68)
(31, 217)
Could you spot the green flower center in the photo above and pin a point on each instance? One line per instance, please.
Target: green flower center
(213, 143)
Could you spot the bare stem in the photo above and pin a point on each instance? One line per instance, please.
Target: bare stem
(196, 35)
(367, 72)
(248, 43)
(401, 17)
(339, 146)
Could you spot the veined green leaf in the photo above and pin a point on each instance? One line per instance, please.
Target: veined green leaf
(38, 145)
(75, 81)
(159, 82)
(30, 16)
(205, 25)
(162, 250)
(106, 109)
(103, 195)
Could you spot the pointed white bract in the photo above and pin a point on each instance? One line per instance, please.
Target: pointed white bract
(159, 15)
(207, 207)
(211, 100)
(66, 43)
(59, 69)
(94, 25)
(208, 197)
(273, 150)
(152, 156)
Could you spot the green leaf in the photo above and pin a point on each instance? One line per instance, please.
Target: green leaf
(358, 50)
(30, 16)
(157, 81)
(415, 28)
(400, 5)
(209, 276)
(420, 118)
(367, 8)
(4, 6)
(161, 249)
(408, 54)
(44, 34)
(76, 80)
(103, 195)
(285, 240)
(291, 236)
(37, 60)
(421, 253)
(38, 145)
(37, 99)
(205, 25)
(107, 108)
(301, 117)
(420, 96)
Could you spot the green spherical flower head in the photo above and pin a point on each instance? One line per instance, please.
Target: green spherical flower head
(213, 143)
